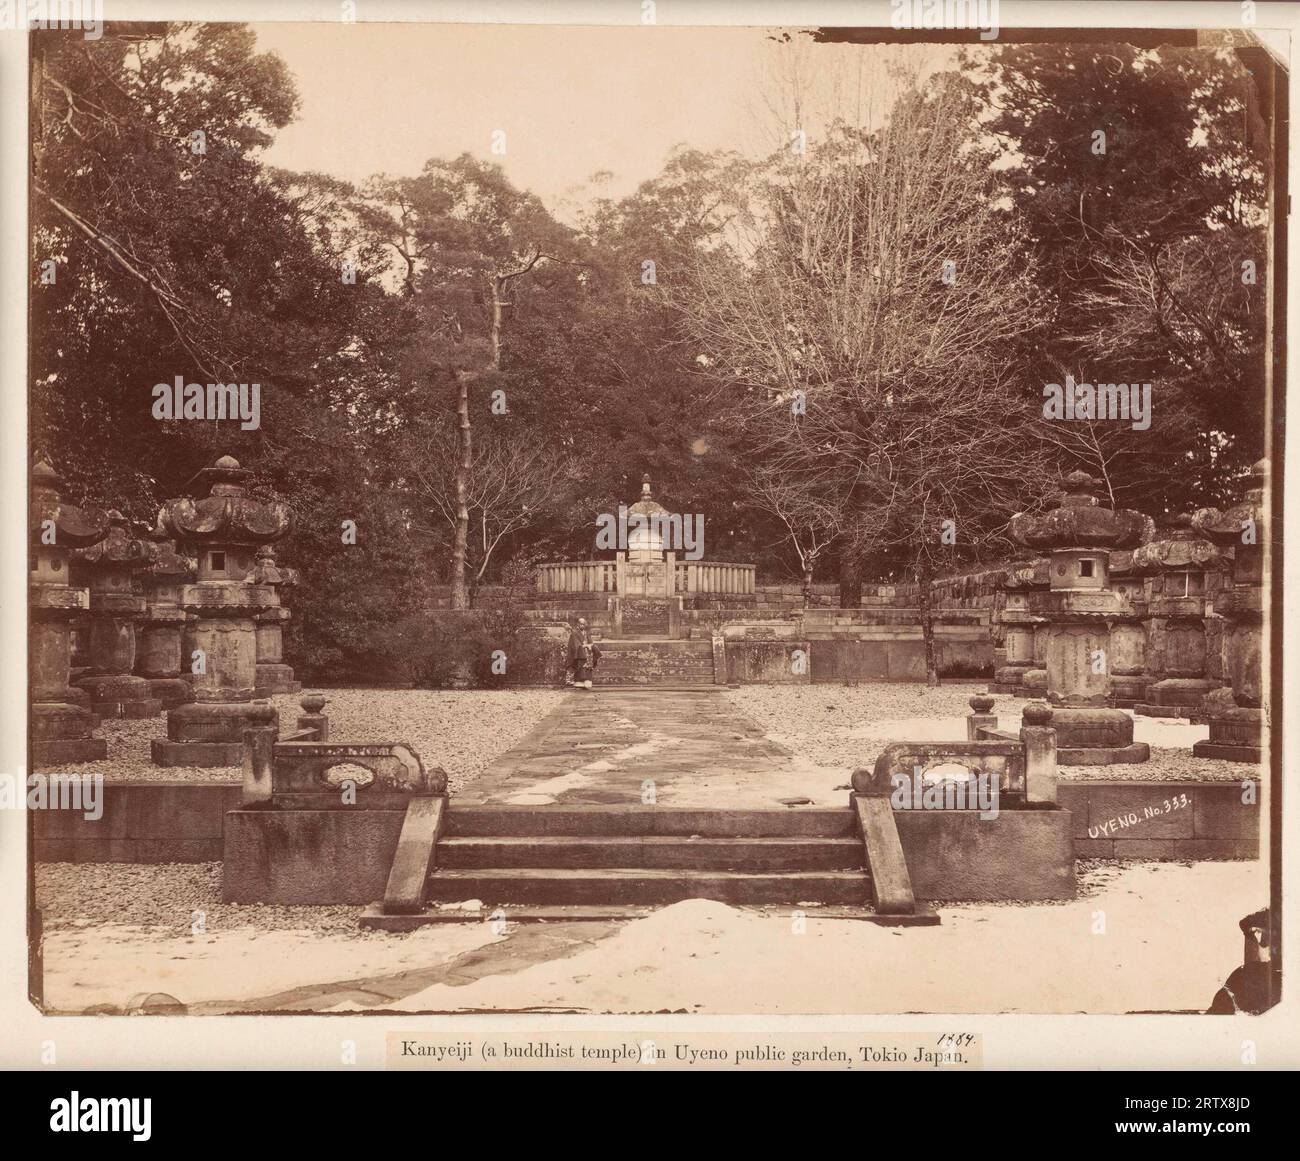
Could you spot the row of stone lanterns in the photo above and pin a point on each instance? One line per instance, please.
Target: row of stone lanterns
(1083, 629)
(208, 628)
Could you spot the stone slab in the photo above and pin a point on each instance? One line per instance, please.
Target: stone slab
(375, 918)
(57, 752)
(416, 847)
(1228, 753)
(144, 822)
(315, 857)
(165, 752)
(1103, 755)
(639, 886)
(955, 855)
(891, 886)
(1217, 821)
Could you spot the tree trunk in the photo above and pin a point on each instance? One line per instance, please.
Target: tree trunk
(850, 583)
(459, 595)
(925, 602)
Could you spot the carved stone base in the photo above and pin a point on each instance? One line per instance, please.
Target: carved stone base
(210, 733)
(1237, 735)
(61, 733)
(121, 696)
(171, 691)
(1096, 737)
(66, 751)
(275, 678)
(1127, 691)
(1174, 697)
(1013, 673)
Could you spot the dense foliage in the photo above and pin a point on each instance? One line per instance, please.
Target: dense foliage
(590, 353)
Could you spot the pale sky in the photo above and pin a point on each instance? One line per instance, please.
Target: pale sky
(572, 101)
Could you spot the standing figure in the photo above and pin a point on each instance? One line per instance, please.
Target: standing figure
(583, 654)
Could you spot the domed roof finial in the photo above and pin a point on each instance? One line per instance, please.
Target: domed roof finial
(645, 486)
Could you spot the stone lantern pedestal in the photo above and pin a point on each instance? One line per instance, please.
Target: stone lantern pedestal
(273, 676)
(226, 527)
(1019, 625)
(1080, 607)
(1128, 638)
(1238, 722)
(160, 658)
(60, 722)
(115, 607)
(1178, 564)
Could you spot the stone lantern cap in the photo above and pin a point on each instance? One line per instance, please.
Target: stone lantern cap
(169, 562)
(119, 549)
(73, 527)
(1225, 528)
(1177, 547)
(1079, 521)
(267, 571)
(225, 515)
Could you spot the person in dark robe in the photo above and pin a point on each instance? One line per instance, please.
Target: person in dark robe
(1250, 988)
(583, 654)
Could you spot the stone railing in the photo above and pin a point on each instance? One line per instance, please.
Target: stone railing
(688, 577)
(726, 579)
(584, 576)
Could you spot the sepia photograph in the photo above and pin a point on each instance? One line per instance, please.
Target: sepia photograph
(641, 515)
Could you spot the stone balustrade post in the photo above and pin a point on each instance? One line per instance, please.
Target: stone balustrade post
(1039, 738)
(980, 717)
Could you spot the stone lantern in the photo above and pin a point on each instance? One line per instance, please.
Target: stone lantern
(1236, 715)
(60, 720)
(273, 676)
(115, 607)
(1079, 536)
(225, 527)
(161, 661)
(1179, 564)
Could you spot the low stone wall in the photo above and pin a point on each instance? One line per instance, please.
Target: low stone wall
(955, 855)
(1161, 820)
(142, 822)
(310, 857)
(182, 822)
(855, 645)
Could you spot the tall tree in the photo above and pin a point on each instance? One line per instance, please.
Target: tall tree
(1138, 176)
(859, 329)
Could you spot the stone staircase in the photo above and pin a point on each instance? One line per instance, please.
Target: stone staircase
(654, 661)
(632, 856)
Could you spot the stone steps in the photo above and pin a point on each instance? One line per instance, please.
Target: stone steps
(641, 885)
(662, 852)
(636, 855)
(488, 821)
(651, 662)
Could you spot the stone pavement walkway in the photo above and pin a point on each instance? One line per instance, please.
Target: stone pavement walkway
(601, 747)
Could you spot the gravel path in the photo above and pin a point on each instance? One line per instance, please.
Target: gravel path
(461, 730)
(164, 897)
(848, 726)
